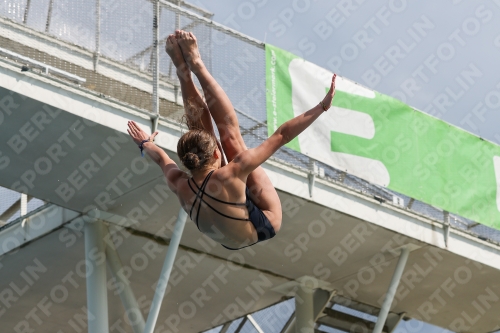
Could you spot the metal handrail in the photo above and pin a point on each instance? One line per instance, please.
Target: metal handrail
(46, 68)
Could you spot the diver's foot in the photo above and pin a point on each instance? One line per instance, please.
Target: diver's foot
(190, 51)
(175, 53)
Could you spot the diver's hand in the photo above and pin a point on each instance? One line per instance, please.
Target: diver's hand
(137, 134)
(327, 101)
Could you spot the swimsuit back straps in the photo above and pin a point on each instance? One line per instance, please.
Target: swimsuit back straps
(201, 190)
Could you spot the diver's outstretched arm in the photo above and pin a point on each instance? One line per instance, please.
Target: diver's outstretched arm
(158, 155)
(248, 160)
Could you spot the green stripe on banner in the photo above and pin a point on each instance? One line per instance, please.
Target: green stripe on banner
(385, 141)
(278, 91)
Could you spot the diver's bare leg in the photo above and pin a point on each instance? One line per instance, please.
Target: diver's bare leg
(193, 101)
(262, 190)
(220, 106)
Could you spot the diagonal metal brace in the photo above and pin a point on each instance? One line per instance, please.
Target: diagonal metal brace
(389, 297)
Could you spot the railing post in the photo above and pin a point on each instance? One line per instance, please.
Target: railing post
(446, 227)
(26, 11)
(49, 16)
(177, 27)
(97, 52)
(155, 65)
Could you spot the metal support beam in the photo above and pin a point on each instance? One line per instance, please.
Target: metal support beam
(24, 204)
(255, 324)
(393, 321)
(240, 326)
(311, 297)
(10, 211)
(129, 301)
(97, 295)
(290, 325)
(389, 297)
(304, 310)
(22, 213)
(346, 322)
(321, 299)
(355, 305)
(225, 327)
(165, 272)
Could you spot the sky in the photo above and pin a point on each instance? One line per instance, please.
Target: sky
(437, 56)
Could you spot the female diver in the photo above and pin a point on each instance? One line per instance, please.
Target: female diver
(235, 203)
